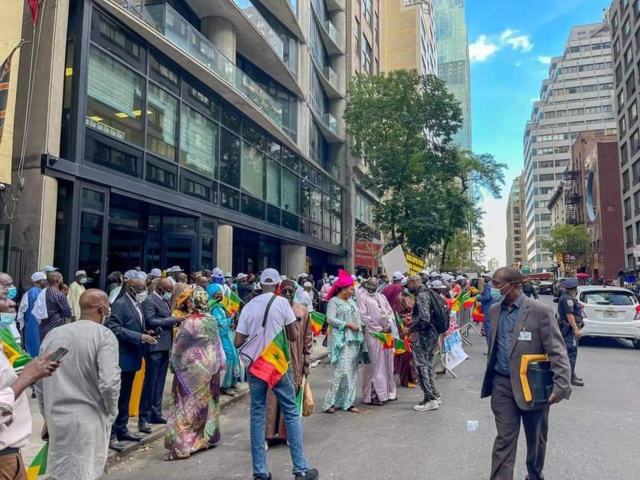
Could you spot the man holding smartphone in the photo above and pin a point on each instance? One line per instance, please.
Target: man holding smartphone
(79, 428)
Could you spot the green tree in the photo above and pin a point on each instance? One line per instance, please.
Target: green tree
(403, 125)
(572, 239)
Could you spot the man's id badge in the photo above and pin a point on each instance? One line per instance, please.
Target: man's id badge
(524, 336)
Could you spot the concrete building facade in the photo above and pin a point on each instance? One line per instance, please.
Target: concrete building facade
(577, 96)
(185, 133)
(625, 34)
(515, 211)
(453, 60)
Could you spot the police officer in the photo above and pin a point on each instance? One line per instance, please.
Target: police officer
(570, 318)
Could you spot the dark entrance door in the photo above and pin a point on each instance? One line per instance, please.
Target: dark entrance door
(126, 250)
(179, 250)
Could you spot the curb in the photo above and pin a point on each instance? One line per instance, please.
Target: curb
(115, 458)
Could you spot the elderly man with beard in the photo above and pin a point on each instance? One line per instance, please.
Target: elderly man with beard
(378, 385)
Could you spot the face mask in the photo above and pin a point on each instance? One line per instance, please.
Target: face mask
(167, 296)
(83, 280)
(12, 293)
(141, 297)
(495, 293)
(7, 319)
(105, 318)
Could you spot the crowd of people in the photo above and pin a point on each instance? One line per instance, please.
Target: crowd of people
(188, 324)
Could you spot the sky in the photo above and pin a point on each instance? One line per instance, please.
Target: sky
(510, 45)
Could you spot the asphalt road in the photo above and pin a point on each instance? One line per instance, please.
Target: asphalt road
(593, 436)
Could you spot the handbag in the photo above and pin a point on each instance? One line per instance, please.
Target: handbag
(254, 346)
(308, 406)
(364, 353)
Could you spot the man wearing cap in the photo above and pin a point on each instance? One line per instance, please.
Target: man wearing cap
(486, 299)
(52, 306)
(306, 298)
(245, 289)
(264, 318)
(75, 290)
(570, 318)
(27, 321)
(152, 279)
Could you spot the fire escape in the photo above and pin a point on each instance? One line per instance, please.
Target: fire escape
(572, 199)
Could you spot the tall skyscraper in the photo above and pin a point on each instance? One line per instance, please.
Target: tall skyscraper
(453, 60)
(515, 212)
(409, 36)
(576, 97)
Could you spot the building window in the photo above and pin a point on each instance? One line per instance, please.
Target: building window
(252, 170)
(614, 22)
(290, 192)
(229, 159)
(357, 35)
(633, 112)
(115, 98)
(622, 125)
(366, 55)
(626, 28)
(162, 121)
(624, 154)
(634, 141)
(635, 170)
(366, 10)
(625, 181)
(198, 142)
(621, 99)
(616, 49)
(628, 57)
(636, 202)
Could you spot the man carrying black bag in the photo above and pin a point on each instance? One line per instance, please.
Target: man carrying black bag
(570, 318)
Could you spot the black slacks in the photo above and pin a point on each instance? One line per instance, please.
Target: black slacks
(119, 427)
(508, 416)
(155, 375)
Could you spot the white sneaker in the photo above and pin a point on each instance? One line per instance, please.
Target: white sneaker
(439, 400)
(426, 406)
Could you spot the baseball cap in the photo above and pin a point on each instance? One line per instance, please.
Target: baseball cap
(227, 275)
(38, 276)
(155, 272)
(242, 276)
(397, 276)
(307, 284)
(487, 274)
(49, 268)
(80, 273)
(570, 283)
(175, 269)
(129, 274)
(404, 281)
(437, 284)
(424, 272)
(460, 277)
(270, 276)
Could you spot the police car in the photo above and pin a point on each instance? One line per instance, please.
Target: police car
(610, 312)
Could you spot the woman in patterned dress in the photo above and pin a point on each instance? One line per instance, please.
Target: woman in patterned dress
(345, 339)
(198, 361)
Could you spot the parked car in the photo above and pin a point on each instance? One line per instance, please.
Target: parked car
(558, 289)
(610, 312)
(545, 287)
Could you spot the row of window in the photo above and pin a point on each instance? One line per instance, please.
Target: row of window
(572, 112)
(588, 47)
(585, 68)
(582, 89)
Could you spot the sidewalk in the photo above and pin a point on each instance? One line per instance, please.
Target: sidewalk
(35, 444)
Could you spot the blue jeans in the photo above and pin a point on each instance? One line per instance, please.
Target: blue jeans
(285, 393)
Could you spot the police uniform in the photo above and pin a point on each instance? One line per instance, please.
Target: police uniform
(568, 304)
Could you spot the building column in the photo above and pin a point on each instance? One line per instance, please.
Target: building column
(224, 251)
(294, 259)
(222, 33)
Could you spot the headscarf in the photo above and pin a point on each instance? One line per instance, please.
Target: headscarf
(200, 301)
(212, 290)
(344, 280)
(287, 283)
(181, 295)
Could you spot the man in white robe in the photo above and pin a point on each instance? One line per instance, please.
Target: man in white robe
(80, 402)
(378, 385)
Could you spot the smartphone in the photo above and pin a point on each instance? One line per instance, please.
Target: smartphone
(58, 354)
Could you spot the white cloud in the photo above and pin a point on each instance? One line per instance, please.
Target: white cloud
(543, 59)
(481, 50)
(486, 46)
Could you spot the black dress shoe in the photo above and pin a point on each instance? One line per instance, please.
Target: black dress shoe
(577, 382)
(158, 421)
(130, 437)
(116, 445)
(144, 427)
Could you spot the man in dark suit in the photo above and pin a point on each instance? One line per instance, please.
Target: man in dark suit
(127, 323)
(520, 326)
(157, 314)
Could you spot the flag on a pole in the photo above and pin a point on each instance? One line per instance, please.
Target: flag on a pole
(385, 338)
(5, 75)
(34, 7)
(317, 321)
(39, 464)
(402, 346)
(231, 302)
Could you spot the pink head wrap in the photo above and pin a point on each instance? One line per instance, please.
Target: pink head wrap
(344, 280)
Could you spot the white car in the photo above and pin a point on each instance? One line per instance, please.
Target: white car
(610, 312)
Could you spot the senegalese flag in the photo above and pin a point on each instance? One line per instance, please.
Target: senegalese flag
(39, 464)
(273, 362)
(317, 321)
(385, 338)
(399, 322)
(5, 77)
(12, 350)
(299, 400)
(477, 314)
(402, 346)
(231, 302)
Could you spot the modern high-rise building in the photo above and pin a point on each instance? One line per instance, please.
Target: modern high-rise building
(364, 55)
(453, 60)
(184, 133)
(409, 36)
(515, 211)
(577, 96)
(626, 42)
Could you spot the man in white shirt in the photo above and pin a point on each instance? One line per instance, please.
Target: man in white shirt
(267, 315)
(15, 418)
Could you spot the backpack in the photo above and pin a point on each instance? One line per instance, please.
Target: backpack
(439, 313)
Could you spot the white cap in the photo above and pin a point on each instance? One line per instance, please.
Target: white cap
(270, 277)
(49, 268)
(242, 276)
(81, 273)
(227, 275)
(307, 284)
(155, 272)
(129, 274)
(446, 277)
(424, 272)
(460, 277)
(437, 284)
(487, 274)
(142, 275)
(175, 269)
(216, 272)
(283, 277)
(434, 274)
(397, 276)
(38, 276)
(404, 281)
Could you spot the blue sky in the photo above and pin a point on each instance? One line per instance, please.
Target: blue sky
(510, 43)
